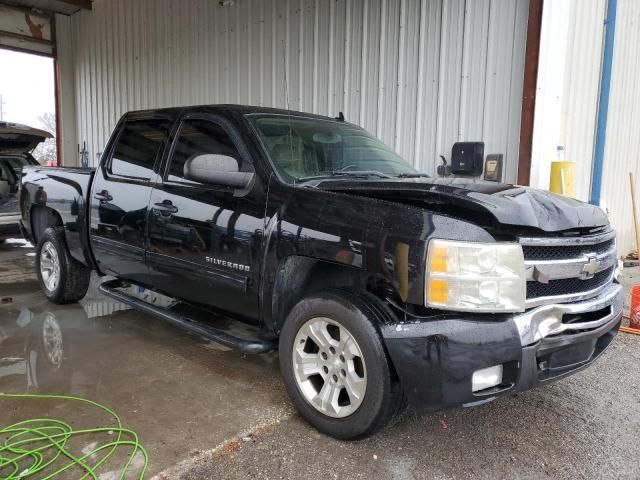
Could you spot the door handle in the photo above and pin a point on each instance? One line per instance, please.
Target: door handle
(103, 196)
(165, 207)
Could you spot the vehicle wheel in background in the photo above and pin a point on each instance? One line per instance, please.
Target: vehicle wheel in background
(335, 367)
(62, 278)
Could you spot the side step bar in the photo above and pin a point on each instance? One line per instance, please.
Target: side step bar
(109, 288)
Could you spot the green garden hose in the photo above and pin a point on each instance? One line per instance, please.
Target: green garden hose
(36, 447)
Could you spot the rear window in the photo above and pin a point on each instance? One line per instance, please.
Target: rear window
(138, 147)
(16, 165)
(5, 175)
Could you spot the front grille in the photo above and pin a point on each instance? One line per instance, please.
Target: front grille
(559, 252)
(567, 286)
(551, 260)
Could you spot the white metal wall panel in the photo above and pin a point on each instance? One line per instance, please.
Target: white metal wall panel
(501, 123)
(550, 82)
(568, 88)
(581, 88)
(420, 74)
(622, 149)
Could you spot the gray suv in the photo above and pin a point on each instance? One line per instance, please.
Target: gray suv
(16, 143)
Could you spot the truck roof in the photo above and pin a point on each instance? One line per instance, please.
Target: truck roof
(229, 108)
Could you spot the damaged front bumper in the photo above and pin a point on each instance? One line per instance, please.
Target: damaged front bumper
(436, 357)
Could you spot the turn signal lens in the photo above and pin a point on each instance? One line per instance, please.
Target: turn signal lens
(469, 277)
(438, 291)
(439, 259)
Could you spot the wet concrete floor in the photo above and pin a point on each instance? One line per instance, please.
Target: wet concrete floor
(204, 412)
(180, 394)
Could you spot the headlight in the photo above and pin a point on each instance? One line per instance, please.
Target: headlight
(475, 277)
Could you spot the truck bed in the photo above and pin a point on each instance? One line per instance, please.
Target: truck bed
(65, 191)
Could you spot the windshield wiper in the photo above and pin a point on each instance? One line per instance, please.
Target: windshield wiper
(412, 175)
(352, 174)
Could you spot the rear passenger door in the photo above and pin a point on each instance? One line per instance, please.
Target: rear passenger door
(205, 239)
(120, 194)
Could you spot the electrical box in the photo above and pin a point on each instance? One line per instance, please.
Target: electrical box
(493, 167)
(467, 158)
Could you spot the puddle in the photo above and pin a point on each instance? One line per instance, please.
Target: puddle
(177, 392)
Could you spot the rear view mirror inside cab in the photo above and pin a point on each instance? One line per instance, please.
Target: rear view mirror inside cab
(216, 169)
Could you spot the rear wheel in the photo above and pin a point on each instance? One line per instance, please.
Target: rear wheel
(335, 367)
(62, 278)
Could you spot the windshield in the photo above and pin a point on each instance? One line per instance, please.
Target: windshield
(303, 149)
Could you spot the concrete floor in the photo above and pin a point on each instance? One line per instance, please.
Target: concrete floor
(205, 412)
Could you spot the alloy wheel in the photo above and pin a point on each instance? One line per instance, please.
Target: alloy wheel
(329, 367)
(50, 266)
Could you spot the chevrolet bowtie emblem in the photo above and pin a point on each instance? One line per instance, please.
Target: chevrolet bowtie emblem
(591, 267)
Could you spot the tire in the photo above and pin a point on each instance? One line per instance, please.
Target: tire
(62, 278)
(360, 412)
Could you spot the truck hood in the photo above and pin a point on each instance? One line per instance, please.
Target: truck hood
(19, 139)
(473, 199)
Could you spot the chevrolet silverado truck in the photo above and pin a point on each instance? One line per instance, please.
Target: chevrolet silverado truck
(379, 285)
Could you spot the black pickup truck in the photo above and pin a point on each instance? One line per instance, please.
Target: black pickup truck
(379, 285)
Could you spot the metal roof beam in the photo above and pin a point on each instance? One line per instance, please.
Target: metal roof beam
(86, 4)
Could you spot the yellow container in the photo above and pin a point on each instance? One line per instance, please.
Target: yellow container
(562, 179)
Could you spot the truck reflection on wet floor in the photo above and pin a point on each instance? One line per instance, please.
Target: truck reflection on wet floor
(45, 346)
(167, 385)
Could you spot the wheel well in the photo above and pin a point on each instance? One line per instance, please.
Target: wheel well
(41, 219)
(299, 276)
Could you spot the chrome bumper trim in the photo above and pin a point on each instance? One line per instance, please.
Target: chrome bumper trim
(544, 321)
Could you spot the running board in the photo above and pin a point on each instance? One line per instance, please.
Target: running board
(201, 328)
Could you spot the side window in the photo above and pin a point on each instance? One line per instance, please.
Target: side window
(200, 137)
(138, 147)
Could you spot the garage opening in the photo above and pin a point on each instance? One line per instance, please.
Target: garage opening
(34, 106)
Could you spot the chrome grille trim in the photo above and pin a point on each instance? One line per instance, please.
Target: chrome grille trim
(563, 241)
(545, 270)
(574, 297)
(581, 264)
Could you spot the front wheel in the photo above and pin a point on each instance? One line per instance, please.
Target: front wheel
(61, 277)
(335, 368)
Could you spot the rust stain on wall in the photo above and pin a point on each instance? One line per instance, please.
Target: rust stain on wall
(35, 28)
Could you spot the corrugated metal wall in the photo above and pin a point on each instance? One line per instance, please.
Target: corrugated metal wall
(566, 105)
(568, 87)
(420, 74)
(622, 149)
(581, 88)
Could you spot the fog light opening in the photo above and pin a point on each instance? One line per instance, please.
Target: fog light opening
(486, 378)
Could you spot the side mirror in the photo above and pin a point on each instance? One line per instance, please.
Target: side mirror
(217, 170)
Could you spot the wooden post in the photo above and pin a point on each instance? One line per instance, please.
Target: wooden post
(530, 85)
